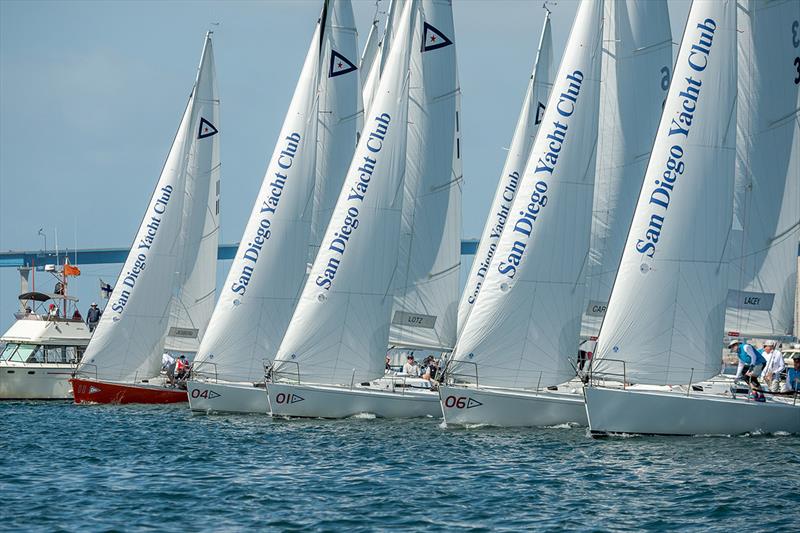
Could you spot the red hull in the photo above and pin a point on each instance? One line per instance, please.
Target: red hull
(92, 391)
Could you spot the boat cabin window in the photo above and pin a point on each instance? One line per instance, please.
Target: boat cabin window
(33, 353)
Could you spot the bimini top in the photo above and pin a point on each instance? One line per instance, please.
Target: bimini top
(43, 297)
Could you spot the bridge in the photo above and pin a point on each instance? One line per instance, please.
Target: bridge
(107, 256)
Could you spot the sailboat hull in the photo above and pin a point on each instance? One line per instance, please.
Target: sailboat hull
(507, 408)
(227, 398)
(95, 391)
(328, 401)
(620, 411)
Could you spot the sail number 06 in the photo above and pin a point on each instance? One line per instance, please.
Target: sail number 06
(459, 402)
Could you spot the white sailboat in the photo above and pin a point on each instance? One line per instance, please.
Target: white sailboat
(168, 280)
(338, 335)
(766, 212)
(637, 62)
(525, 324)
(667, 308)
(310, 158)
(533, 106)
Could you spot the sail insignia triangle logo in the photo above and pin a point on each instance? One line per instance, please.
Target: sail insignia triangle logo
(339, 65)
(207, 129)
(433, 39)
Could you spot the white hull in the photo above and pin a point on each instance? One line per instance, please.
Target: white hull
(329, 401)
(210, 397)
(618, 411)
(35, 381)
(511, 408)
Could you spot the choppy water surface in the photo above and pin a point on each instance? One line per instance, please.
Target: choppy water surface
(139, 467)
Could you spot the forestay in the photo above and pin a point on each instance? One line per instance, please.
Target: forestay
(340, 114)
(635, 73)
(665, 315)
(426, 281)
(267, 273)
(130, 337)
(524, 327)
(340, 328)
(766, 222)
(533, 106)
(373, 62)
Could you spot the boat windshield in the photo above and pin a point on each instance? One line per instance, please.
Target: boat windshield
(8, 351)
(20, 353)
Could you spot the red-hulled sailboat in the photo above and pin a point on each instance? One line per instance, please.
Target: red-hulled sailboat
(165, 293)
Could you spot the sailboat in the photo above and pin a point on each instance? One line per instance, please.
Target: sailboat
(301, 183)
(337, 338)
(167, 285)
(530, 117)
(524, 326)
(667, 308)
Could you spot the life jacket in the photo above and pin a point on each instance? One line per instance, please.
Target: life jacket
(744, 357)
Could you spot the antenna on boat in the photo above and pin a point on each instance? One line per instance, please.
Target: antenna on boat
(212, 26)
(544, 6)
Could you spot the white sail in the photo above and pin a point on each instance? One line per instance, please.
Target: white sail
(196, 271)
(533, 106)
(523, 329)
(340, 114)
(635, 73)
(665, 316)
(340, 327)
(267, 273)
(371, 70)
(130, 337)
(426, 280)
(766, 224)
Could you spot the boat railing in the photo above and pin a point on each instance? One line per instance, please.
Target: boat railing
(272, 374)
(452, 376)
(201, 372)
(83, 370)
(596, 378)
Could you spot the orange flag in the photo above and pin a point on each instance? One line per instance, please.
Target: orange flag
(70, 270)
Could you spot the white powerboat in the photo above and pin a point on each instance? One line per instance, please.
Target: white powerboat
(40, 351)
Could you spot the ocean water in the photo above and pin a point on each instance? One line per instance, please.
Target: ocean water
(128, 468)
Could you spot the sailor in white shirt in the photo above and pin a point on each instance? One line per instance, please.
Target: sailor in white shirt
(773, 367)
(411, 368)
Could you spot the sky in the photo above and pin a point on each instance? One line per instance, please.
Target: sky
(91, 94)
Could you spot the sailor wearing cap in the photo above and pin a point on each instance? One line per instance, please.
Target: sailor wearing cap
(773, 367)
(751, 364)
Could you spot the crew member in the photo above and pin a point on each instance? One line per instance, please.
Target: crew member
(751, 363)
(93, 317)
(793, 376)
(773, 367)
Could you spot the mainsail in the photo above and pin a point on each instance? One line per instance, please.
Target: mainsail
(766, 222)
(666, 312)
(426, 281)
(524, 327)
(268, 270)
(533, 106)
(635, 73)
(340, 113)
(162, 266)
(340, 328)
